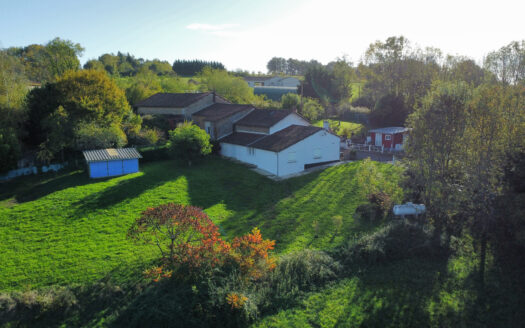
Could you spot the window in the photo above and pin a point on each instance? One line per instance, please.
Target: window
(251, 151)
(388, 137)
(291, 157)
(317, 152)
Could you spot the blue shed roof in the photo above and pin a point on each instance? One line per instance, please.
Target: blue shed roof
(110, 154)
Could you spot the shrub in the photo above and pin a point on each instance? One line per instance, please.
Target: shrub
(368, 213)
(189, 142)
(91, 136)
(395, 241)
(9, 149)
(156, 122)
(364, 101)
(146, 137)
(303, 270)
(152, 154)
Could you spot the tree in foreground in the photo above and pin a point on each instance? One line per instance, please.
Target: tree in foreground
(185, 236)
(189, 142)
(190, 244)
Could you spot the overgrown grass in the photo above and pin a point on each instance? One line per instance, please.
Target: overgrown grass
(66, 228)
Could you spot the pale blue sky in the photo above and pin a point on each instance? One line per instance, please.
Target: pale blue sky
(246, 34)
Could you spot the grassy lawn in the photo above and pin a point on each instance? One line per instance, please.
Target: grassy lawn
(338, 126)
(66, 228)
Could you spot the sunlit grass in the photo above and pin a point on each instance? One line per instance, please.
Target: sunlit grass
(67, 228)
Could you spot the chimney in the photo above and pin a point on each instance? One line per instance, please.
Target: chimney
(214, 96)
(294, 109)
(326, 125)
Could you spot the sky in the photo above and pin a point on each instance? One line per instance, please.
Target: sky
(247, 34)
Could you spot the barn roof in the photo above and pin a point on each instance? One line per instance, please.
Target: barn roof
(390, 130)
(263, 117)
(285, 138)
(110, 154)
(219, 111)
(175, 100)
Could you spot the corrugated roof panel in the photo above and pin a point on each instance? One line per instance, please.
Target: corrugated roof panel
(99, 155)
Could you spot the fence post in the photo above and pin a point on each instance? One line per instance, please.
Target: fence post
(382, 149)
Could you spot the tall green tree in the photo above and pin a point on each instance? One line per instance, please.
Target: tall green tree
(508, 63)
(62, 56)
(434, 151)
(76, 98)
(233, 88)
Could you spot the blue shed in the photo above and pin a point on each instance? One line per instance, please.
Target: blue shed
(111, 162)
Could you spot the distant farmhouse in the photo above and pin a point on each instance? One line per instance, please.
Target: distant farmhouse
(272, 81)
(277, 141)
(273, 87)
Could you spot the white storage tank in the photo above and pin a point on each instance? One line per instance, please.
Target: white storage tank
(409, 209)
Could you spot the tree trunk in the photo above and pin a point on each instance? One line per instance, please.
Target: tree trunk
(482, 260)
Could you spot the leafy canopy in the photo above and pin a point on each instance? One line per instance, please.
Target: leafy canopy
(189, 142)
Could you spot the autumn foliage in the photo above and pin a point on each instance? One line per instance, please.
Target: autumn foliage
(190, 243)
(185, 236)
(251, 253)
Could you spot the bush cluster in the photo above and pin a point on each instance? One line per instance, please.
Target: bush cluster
(395, 241)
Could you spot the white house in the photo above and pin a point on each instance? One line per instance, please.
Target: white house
(289, 150)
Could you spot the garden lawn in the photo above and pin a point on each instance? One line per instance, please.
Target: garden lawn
(339, 126)
(65, 228)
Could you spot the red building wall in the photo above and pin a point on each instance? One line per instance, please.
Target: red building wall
(395, 139)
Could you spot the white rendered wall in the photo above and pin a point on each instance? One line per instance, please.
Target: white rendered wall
(263, 159)
(327, 143)
(287, 121)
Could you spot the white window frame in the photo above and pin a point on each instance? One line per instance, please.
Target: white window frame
(317, 153)
(388, 137)
(292, 157)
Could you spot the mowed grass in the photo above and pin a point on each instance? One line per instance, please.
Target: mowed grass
(66, 228)
(356, 128)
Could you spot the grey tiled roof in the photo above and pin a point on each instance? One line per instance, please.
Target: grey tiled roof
(285, 138)
(274, 142)
(263, 117)
(219, 111)
(110, 154)
(241, 138)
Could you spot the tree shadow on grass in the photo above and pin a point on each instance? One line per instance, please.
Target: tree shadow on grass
(152, 176)
(250, 196)
(29, 188)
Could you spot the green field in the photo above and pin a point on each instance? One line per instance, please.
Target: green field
(66, 228)
(340, 126)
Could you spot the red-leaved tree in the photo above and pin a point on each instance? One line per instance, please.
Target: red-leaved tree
(185, 236)
(190, 243)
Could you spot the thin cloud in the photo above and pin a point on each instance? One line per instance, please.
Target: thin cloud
(210, 27)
